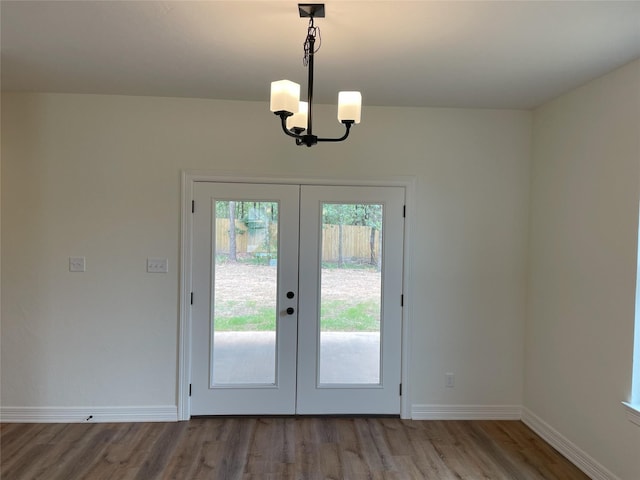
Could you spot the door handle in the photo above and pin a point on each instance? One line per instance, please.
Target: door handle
(290, 311)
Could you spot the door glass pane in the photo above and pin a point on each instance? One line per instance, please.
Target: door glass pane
(244, 296)
(350, 293)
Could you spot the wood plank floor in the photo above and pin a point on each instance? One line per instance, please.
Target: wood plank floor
(280, 448)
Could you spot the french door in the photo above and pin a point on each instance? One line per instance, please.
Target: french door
(297, 299)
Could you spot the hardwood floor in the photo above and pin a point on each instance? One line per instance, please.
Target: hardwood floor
(280, 448)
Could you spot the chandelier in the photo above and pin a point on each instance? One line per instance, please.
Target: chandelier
(297, 117)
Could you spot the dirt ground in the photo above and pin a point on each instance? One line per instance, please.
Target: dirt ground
(257, 283)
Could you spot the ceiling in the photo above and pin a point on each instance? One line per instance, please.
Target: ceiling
(510, 54)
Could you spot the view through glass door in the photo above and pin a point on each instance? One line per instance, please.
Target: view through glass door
(296, 299)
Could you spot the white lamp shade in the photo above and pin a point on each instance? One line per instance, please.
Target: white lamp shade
(349, 106)
(285, 95)
(299, 119)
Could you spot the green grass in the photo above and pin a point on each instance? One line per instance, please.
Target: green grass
(261, 319)
(336, 316)
(339, 316)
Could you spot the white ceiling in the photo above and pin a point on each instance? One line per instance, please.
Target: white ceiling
(509, 54)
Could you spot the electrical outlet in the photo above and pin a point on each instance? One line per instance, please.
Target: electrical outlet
(449, 380)
(157, 265)
(76, 264)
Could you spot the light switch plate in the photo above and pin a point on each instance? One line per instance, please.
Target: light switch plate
(157, 265)
(76, 264)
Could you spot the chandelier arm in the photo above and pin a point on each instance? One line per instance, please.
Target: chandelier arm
(347, 125)
(283, 121)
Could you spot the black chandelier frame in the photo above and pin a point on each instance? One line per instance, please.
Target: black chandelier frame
(311, 11)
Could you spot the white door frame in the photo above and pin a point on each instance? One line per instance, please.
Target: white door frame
(190, 177)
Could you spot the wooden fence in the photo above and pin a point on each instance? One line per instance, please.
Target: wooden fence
(356, 240)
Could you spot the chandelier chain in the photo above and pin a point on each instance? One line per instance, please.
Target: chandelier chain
(312, 32)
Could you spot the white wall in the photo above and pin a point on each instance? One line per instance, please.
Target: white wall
(99, 176)
(584, 225)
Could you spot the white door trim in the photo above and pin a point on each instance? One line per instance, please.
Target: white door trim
(190, 177)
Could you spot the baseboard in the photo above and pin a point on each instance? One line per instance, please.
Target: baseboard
(574, 454)
(162, 413)
(466, 412)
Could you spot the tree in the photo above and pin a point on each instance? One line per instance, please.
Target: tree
(372, 217)
(232, 232)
